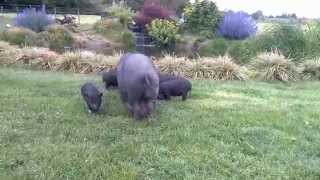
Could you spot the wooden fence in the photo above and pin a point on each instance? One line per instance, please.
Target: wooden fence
(15, 8)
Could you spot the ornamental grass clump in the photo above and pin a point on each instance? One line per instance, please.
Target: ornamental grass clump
(311, 69)
(8, 53)
(85, 62)
(20, 36)
(174, 65)
(220, 68)
(37, 57)
(273, 66)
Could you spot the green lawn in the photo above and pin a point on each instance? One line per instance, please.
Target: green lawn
(4, 21)
(227, 130)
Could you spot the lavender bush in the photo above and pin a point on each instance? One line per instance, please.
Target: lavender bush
(32, 19)
(237, 25)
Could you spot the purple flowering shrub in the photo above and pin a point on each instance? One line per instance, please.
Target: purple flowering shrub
(237, 25)
(32, 19)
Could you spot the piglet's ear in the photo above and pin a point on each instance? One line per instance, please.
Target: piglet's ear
(100, 90)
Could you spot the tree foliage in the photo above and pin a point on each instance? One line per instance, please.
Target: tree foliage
(201, 15)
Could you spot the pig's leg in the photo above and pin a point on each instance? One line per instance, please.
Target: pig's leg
(184, 96)
(166, 95)
(137, 111)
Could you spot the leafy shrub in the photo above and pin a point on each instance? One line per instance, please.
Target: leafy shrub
(121, 11)
(164, 32)
(187, 46)
(19, 36)
(312, 37)
(34, 20)
(237, 25)
(57, 37)
(110, 28)
(242, 51)
(288, 39)
(104, 26)
(215, 47)
(273, 66)
(206, 34)
(180, 6)
(128, 40)
(201, 15)
(311, 69)
(151, 10)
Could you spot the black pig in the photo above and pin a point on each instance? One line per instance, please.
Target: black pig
(110, 78)
(165, 77)
(174, 87)
(92, 97)
(138, 84)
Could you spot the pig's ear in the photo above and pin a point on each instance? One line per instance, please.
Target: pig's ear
(84, 94)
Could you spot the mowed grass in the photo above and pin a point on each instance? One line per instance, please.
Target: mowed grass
(227, 130)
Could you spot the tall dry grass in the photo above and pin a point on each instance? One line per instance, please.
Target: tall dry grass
(85, 62)
(40, 58)
(8, 53)
(273, 66)
(220, 68)
(267, 66)
(310, 69)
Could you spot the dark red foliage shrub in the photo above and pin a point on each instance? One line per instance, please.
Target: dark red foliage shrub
(151, 10)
